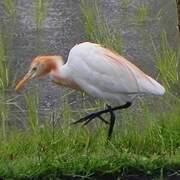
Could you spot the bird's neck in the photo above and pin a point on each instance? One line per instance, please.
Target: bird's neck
(59, 76)
(50, 64)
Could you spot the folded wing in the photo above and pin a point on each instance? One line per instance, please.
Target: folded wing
(98, 70)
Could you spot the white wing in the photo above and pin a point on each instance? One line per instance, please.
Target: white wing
(105, 74)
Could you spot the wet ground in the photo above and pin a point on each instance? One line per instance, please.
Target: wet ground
(63, 28)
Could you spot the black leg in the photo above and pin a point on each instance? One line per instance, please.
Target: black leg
(112, 121)
(98, 114)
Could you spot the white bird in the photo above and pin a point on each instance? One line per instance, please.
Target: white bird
(99, 72)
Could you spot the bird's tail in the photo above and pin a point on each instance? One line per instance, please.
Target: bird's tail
(153, 87)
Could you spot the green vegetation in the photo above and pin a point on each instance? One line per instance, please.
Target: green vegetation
(142, 13)
(32, 110)
(4, 82)
(97, 29)
(4, 77)
(167, 61)
(74, 151)
(41, 9)
(10, 8)
(145, 141)
(40, 14)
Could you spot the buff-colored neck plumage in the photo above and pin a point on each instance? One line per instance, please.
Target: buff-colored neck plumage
(52, 65)
(47, 65)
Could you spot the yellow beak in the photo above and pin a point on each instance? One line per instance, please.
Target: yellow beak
(24, 80)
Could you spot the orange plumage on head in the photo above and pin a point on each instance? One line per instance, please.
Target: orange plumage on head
(40, 66)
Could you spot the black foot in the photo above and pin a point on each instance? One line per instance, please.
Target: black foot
(87, 119)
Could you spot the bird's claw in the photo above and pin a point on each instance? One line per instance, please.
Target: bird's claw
(90, 116)
(87, 119)
(102, 119)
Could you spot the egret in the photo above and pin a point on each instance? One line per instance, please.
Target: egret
(100, 73)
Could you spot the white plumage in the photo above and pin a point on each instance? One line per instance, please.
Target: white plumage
(107, 75)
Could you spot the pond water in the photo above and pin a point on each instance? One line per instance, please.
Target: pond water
(62, 28)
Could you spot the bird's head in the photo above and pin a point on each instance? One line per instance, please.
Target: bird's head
(40, 66)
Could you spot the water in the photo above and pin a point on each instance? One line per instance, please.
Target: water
(63, 28)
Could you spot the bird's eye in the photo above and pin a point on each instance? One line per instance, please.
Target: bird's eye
(34, 68)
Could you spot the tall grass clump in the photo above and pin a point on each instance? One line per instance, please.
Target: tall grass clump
(167, 62)
(4, 74)
(32, 102)
(4, 82)
(40, 14)
(142, 13)
(96, 27)
(41, 9)
(10, 8)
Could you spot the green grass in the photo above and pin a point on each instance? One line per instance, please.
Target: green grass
(96, 27)
(31, 98)
(40, 14)
(41, 10)
(4, 77)
(10, 8)
(4, 82)
(142, 13)
(167, 62)
(73, 150)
